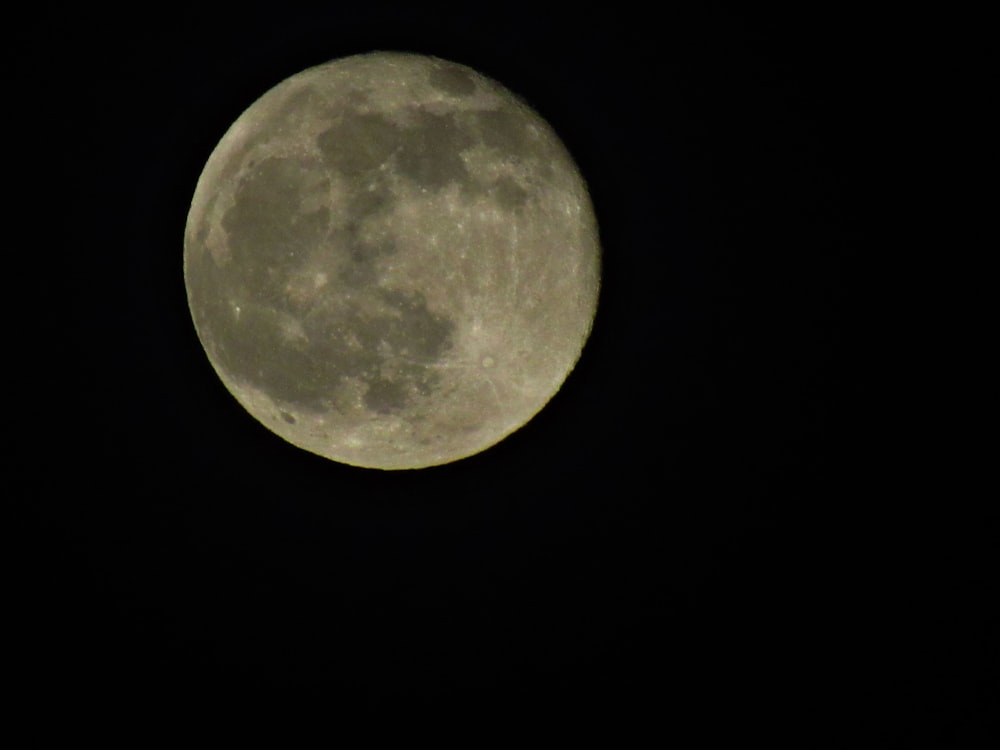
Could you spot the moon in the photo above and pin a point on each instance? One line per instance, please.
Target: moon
(391, 261)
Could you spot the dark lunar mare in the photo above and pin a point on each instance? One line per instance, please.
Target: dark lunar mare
(453, 79)
(428, 151)
(270, 238)
(391, 349)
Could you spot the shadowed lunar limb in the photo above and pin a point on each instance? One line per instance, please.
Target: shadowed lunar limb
(391, 261)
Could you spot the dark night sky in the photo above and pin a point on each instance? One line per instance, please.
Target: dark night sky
(693, 536)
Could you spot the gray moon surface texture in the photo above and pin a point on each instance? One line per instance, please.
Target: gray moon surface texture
(391, 261)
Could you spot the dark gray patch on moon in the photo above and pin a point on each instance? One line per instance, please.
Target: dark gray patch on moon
(430, 154)
(334, 340)
(506, 131)
(385, 396)
(299, 103)
(300, 351)
(508, 193)
(376, 198)
(363, 254)
(267, 222)
(452, 79)
(427, 151)
(358, 144)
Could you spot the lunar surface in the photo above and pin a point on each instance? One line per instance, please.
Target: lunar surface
(391, 261)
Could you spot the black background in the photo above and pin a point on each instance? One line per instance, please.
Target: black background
(696, 536)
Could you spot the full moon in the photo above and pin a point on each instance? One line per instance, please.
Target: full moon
(391, 261)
